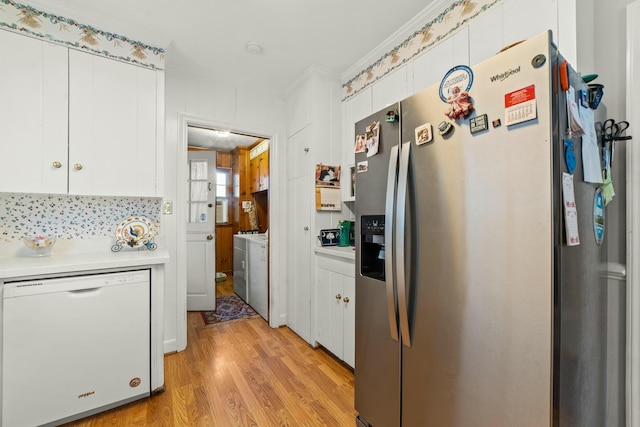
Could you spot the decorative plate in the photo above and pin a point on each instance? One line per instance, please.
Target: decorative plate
(135, 231)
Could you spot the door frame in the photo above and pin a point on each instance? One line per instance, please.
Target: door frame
(633, 221)
(275, 214)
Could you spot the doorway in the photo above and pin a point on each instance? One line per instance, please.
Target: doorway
(238, 187)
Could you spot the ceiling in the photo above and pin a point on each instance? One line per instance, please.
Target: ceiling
(210, 37)
(221, 140)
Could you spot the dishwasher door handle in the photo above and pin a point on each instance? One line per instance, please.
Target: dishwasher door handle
(85, 292)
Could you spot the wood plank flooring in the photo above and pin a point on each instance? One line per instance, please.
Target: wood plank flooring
(242, 373)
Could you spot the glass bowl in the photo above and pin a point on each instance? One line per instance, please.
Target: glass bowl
(39, 245)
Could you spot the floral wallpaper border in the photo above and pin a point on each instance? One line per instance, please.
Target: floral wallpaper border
(25, 19)
(70, 217)
(446, 23)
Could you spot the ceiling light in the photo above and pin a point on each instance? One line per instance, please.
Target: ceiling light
(254, 48)
(222, 133)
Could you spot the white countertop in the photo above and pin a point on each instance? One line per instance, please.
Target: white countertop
(347, 252)
(21, 266)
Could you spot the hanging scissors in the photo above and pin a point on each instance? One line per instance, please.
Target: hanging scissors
(611, 132)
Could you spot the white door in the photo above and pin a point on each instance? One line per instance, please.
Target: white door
(201, 222)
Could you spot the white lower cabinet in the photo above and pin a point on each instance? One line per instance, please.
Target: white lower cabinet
(335, 299)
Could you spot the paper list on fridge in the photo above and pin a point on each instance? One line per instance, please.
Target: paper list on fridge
(570, 210)
(590, 151)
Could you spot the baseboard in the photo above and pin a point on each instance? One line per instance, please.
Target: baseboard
(170, 346)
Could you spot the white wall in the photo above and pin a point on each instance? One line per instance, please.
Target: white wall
(211, 101)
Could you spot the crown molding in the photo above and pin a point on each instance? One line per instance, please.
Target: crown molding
(427, 14)
(108, 25)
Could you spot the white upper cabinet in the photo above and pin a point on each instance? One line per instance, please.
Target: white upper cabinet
(75, 123)
(33, 115)
(112, 127)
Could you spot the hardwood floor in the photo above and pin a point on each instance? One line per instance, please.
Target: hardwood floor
(242, 373)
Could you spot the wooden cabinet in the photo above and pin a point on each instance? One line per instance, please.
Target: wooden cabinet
(335, 300)
(224, 248)
(79, 123)
(259, 173)
(240, 172)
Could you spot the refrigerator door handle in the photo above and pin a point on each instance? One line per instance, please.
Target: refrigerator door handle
(388, 239)
(403, 175)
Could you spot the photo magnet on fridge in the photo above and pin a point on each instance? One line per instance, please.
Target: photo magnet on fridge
(424, 134)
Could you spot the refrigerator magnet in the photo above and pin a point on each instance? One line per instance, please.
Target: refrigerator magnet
(478, 124)
(424, 134)
(598, 216)
(362, 167)
(569, 156)
(454, 90)
(444, 127)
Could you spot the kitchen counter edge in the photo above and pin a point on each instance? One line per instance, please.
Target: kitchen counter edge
(14, 267)
(346, 252)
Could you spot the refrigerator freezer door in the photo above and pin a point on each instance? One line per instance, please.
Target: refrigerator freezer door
(480, 300)
(377, 360)
(581, 328)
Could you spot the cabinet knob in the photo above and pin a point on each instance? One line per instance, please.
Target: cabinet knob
(57, 165)
(346, 299)
(210, 237)
(306, 149)
(306, 228)
(338, 297)
(77, 166)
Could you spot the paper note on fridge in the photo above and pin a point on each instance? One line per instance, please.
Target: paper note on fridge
(570, 210)
(590, 152)
(576, 125)
(520, 105)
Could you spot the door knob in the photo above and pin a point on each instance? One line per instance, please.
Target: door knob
(210, 237)
(346, 299)
(338, 296)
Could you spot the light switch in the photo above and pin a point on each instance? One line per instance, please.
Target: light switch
(167, 207)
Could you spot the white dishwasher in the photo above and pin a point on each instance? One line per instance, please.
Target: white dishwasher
(74, 346)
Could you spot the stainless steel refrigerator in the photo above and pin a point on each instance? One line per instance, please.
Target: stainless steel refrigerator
(474, 309)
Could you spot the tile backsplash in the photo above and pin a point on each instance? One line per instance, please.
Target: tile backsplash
(70, 217)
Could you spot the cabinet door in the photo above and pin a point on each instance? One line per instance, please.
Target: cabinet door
(264, 171)
(299, 257)
(329, 307)
(33, 115)
(336, 314)
(254, 175)
(349, 320)
(112, 127)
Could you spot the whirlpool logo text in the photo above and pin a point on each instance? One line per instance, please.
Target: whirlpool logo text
(505, 75)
